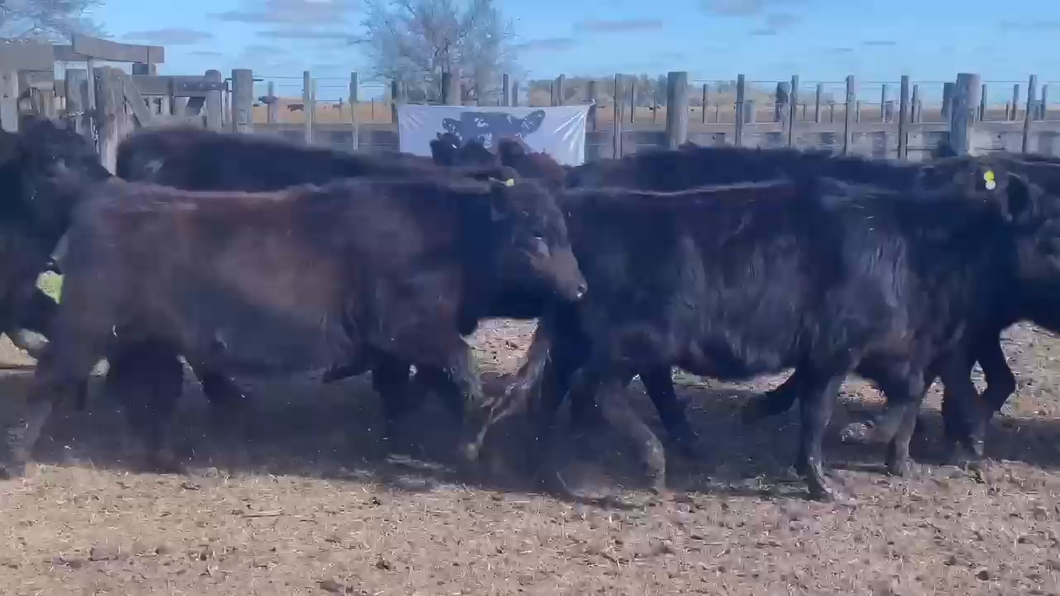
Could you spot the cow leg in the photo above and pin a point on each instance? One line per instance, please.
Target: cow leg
(146, 379)
(771, 403)
(963, 417)
(660, 387)
(390, 379)
(62, 369)
(894, 383)
(907, 409)
(816, 405)
(1000, 382)
(620, 414)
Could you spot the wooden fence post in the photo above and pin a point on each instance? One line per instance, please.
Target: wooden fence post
(590, 122)
(962, 112)
(515, 94)
(948, 89)
(857, 111)
(450, 89)
(212, 105)
(355, 141)
(848, 116)
(506, 98)
(676, 108)
(308, 107)
(559, 91)
(77, 100)
(706, 103)
(780, 102)
(272, 108)
(903, 118)
(914, 105)
(793, 101)
(981, 116)
(616, 132)
(632, 100)
(1032, 85)
(883, 103)
(741, 88)
(1043, 105)
(242, 100)
(1012, 112)
(817, 103)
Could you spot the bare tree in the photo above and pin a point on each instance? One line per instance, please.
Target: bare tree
(419, 40)
(46, 20)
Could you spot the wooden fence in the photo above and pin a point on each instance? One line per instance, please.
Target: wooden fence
(116, 103)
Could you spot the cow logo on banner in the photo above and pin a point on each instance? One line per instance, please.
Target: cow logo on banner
(558, 131)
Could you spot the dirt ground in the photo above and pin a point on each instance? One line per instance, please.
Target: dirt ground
(319, 508)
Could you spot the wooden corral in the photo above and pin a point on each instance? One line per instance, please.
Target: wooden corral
(118, 102)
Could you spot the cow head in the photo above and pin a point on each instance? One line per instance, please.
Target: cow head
(490, 126)
(530, 234)
(55, 162)
(532, 164)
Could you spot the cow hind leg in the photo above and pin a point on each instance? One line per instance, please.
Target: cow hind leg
(659, 384)
(146, 380)
(816, 405)
(390, 379)
(964, 416)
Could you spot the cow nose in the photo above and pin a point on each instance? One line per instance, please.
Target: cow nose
(583, 287)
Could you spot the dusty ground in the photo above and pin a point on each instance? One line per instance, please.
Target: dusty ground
(318, 508)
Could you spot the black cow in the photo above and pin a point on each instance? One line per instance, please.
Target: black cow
(194, 159)
(736, 281)
(287, 281)
(488, 127)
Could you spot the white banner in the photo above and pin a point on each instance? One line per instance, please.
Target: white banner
(558, 131)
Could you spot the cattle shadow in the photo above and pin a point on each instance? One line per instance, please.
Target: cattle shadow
(301, 427)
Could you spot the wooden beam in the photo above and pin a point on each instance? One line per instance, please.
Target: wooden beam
(962, 112)
(183, 86)
(101, 49)
(308, 108)
(1028, 116)
(616, 132)
(131, 96)
(793, 103)
(26, 56)
(212, 102)
(741, 92)
(590, 123)
(354, 86)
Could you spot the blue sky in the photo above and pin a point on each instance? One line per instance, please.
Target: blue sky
(820, 40)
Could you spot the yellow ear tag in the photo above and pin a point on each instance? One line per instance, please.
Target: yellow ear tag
(988, 175)
(510, 182)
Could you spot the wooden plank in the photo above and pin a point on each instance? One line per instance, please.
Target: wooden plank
(506, 87)
(982, 104)
(132, 97)
(591, 123)
(903, 118)
(77, 101)
(793, 103)
(26, 56)
(183, 86)
(676, 108)
(139, 68)
(848, 115)
(817, 103)
(101, 49)
(112, 114)
(515, 94)
(1015, 102)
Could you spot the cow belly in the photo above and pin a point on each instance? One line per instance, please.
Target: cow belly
(227, 331)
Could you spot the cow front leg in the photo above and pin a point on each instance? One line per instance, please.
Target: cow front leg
(390, 379)
(964, 416)
(621, 415)
(658, 382)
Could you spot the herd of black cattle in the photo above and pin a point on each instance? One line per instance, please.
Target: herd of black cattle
(249, 255)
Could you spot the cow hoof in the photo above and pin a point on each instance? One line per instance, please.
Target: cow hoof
(830, 493)
(12, 471)
(471, 452)
(858, 433)
(899, 468)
